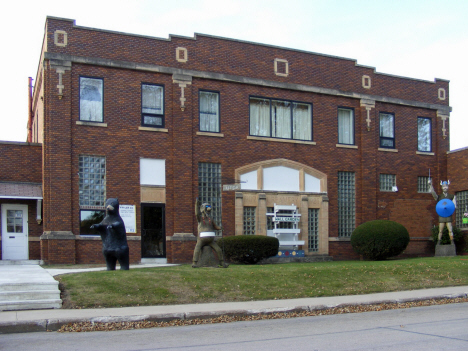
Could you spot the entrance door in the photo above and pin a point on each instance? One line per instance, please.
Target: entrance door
(15, 232)
(153, 234)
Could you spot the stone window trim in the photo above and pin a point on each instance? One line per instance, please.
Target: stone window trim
(345, 146)
(441, 94)
(387, 150)
(181, 54)
(211, 134)
(151, 129)
(260, 138)
(92, 124)
(303, 169)
(286, 69)
(57, 35)
(366, 82)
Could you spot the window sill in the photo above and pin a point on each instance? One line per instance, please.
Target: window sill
(425, 153)
(151, 129)
(387, 150)
(250, 137)
(211, 134)
(346, 146)
(91, 124)
(339, 238)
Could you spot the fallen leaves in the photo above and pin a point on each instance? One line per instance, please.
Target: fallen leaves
(101, 326)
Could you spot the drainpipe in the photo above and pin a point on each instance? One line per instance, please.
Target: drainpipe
(30, 113)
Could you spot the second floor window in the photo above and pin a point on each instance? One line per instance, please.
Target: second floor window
(209, 112)
(345, 126)
(387, 130)
(280, 119)
(152, 106)
(91, 99)
(424, 134)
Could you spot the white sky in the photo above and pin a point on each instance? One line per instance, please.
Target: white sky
(421, 39)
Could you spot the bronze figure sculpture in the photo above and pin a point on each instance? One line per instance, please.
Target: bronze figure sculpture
(206, 233)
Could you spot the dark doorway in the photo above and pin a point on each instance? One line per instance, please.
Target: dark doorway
(153, 235)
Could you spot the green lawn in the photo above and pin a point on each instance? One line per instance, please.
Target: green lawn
(183, 284)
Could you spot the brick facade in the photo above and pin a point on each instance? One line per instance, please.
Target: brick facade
(236, 70)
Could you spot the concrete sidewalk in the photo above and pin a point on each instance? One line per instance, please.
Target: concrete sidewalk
(52, 320)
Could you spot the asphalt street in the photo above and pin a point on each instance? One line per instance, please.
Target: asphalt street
(441, 327)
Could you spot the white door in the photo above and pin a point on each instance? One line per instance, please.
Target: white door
(15, 232)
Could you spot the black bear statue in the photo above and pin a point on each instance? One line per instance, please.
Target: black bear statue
(114, 237)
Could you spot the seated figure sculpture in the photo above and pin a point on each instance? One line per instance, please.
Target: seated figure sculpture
(114, 237)
(206, 233)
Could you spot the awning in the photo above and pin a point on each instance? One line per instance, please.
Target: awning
(12, 190)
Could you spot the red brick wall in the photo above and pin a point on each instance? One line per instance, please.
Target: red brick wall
(20, 162)
(123, 144)
(457, 161)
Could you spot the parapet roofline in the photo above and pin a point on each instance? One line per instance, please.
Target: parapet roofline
(169, 39)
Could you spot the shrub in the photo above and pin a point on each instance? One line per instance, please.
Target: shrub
(249, 249)
(457, 237)
(380, 239)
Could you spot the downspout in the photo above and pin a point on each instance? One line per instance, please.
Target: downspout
(30, 113)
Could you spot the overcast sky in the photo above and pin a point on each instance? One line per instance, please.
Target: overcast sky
(421, 39)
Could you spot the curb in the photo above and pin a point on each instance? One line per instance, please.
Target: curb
(49, 325)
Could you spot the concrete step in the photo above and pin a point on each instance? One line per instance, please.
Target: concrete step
(27, 287)
(36, 286)
(30, 304)
(21, 262)
(29, 295)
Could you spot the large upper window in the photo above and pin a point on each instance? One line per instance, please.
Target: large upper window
(345, 126)
(152, 106)
(91, 99)
(387, 130)
(424, 134)
(209, 111)
(280, 119)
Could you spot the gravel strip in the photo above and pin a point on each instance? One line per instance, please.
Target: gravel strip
(102, 326)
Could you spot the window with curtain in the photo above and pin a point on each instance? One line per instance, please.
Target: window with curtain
(91, 99)
(387, 130)
(209, 111)
(345, 126)
(280, 119)
(424, 134)
(152, 105)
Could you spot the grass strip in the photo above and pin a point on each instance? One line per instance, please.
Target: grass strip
(183, 284)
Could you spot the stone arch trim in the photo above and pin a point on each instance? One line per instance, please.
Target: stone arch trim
(302, 168)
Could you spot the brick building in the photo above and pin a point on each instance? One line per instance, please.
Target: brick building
(158, 122)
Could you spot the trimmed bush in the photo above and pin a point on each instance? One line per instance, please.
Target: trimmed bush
(458, 237)
(380, 239)
(248, 249)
